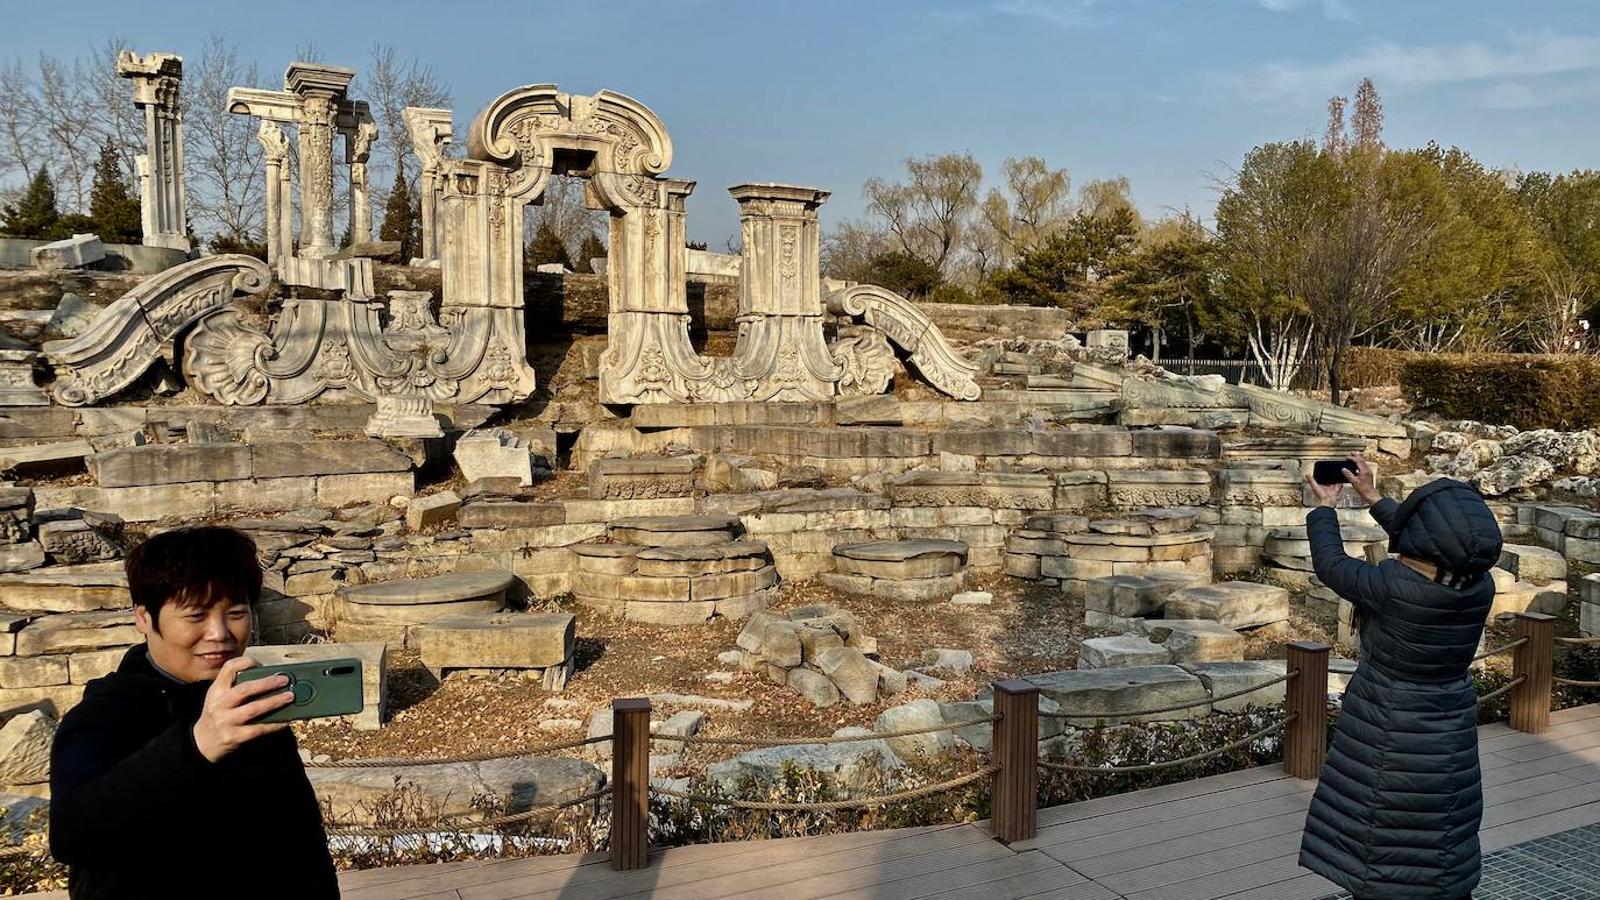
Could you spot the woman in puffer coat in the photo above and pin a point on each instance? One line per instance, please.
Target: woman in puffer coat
(1396, 813)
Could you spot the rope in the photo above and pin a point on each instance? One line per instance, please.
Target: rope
(1571, 683)
(1175, 708)
(1151, 767)
(12, 852)
(1502, 689)
(1581, 640)
(400, 762)
(452, 826)
(830, 805)
(1501, 649)
(792, 742)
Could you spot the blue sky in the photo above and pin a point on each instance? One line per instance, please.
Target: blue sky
(1170, 93)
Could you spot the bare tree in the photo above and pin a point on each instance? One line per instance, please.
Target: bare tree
(929, 213)
(68, 124)
(110, 97)
(223, 157)
(562, 209)
(389, 85)
(1016, 218)
(21, 139)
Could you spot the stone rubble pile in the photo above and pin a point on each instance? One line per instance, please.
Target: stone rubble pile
(1500, 460)
(819, 651)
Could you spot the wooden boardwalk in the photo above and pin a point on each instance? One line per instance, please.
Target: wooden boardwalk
(1235, 836)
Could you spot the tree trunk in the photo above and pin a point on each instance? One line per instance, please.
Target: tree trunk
(1335, 360)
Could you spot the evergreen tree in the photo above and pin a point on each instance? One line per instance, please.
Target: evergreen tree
(591, 249)
(401, 219)
(34, 215)
(547, 247)
(113, 208)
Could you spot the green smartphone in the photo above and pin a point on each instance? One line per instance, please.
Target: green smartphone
(321, 688)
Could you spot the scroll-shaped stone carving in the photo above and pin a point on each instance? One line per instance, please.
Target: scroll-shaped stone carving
(125, 339)
(866, 361)
(901, 322)
(318, 347)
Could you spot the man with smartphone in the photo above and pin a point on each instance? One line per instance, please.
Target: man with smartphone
(163, 783)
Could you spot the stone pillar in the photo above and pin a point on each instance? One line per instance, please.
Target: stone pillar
(156, 77)
(275, 151)
(359, 132)
(320, 88)
(781, 344)
(430, 131)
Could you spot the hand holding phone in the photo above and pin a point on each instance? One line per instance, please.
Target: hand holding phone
(319, 688)
(228, 718)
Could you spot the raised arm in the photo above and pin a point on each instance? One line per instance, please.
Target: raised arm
(1355, 580)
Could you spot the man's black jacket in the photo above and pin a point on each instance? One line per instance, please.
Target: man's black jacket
(137, 812)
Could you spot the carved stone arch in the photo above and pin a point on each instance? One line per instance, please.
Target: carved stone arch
(909, 328)
(524, 129)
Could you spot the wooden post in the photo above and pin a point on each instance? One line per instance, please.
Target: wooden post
(630, 783)
(1533, 661)
(1305, 740)
(1016, 751)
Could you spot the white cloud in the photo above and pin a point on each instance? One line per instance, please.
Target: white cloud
(1061, 13)
(1402, 67)
(1331, 9)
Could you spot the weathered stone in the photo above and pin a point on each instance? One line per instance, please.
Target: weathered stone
(86, 538)
(33, 671)
(25, 748)
(1115, 696)
(1120, 652)
(629, 479)
(171, 464)
(1236, 604)
(431, 510)
(453, 789)
(853, 764)
(387, 610)
(1533, 564)
(896, 560)
(705, 559)
(1196, 640)
(972, 598)
(75, 252)
(494, 452)
(691, 612)
(910, 716)
(675, 531)
(497, 640)
(814, 686)
(75, 631)
(509, 514)
(1127, 596)
(958, 661)
(852, 672)
(344, 490)
(1135, 488)
(992, 490)
(85, 667)
(374, 658)
(606, 559)
(21, 557)
(1222, 678)
(46, 460)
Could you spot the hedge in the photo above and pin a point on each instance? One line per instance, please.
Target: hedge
(1527, 391)
(1368, 367)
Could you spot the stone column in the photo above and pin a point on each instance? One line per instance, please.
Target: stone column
(430, 131)
(320, 89)
(781, 346)
(358, 149)
(275, 151)
(156, 77)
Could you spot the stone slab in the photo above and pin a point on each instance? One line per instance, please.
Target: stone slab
(497, 640)
(1236, 604)
(1115, 696)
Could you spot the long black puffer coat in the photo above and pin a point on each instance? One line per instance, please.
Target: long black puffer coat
(1397, 811)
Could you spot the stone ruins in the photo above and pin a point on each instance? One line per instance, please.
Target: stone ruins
(422, 451)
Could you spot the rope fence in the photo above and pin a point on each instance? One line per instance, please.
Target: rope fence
(1504, 688)
(1503, 648)
(848, 739)
(1569, 682)
(1176, 707)
(1229, 747)
(459, 827)
(832, 805)
(1579, 640)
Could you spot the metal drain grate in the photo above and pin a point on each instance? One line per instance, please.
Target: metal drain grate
(1563, 866)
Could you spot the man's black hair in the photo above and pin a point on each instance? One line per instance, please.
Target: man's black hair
(194, 567)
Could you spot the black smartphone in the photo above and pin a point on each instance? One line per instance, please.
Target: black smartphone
(1331, 471)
